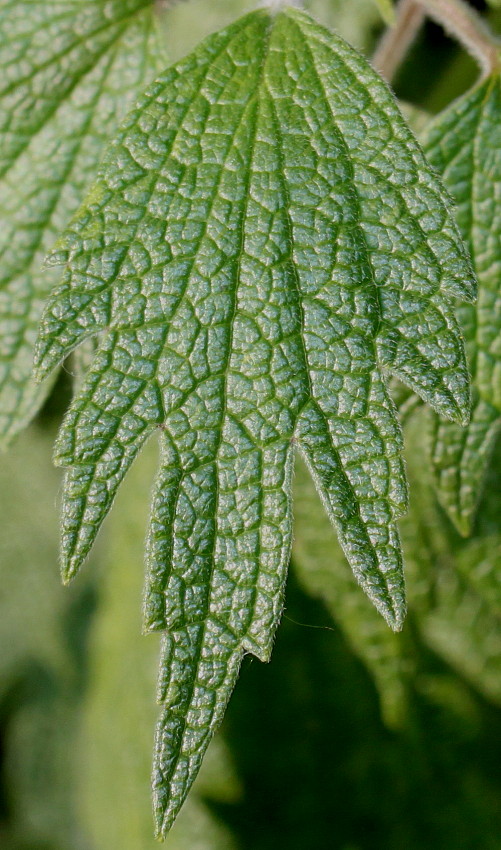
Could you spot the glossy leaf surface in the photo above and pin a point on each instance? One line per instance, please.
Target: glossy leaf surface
(265, 244)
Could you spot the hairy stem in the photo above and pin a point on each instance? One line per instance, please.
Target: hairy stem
(464, 24)
(398, 39)
(455, 16)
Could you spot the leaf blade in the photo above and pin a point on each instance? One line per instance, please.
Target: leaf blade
(231, 254)
(464, 145)
(84, 65)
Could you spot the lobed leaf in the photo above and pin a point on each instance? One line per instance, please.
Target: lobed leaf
(464, 144)
(113, 756)
(265, 245)
(323, 572)
(70, 69)
(455, 602)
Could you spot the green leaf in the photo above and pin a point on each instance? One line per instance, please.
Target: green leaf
(387, 10)
(464, 144)
(456, 600)
(70, 68)
(113, 759)
(322, 570)
(33, 601)
(265, 243)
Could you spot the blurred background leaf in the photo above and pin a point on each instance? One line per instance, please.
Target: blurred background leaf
(42, 663)
(352, 738)
(387, 10)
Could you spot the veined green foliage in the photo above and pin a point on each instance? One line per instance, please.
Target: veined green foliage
(455, 581)
(464, 144)
(114, 754)
(322, 570)
(70, 69)
(454, 598)
(265, 243)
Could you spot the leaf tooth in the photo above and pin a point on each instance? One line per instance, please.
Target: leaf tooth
(459, 459)
(71, 316)
(428, 356)
(117, 408)
(323, 571)
(463, 143)
(89, 492)
(363, 519)
(198, 670)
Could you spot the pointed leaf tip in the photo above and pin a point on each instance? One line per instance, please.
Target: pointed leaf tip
(73, 70)
(262, 258)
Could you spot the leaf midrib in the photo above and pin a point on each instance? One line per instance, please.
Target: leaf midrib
(224, 411)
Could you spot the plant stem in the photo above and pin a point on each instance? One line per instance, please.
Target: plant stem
(455, 16)
(398, 39)
(466, 25)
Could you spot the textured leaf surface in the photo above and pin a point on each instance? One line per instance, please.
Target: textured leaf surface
(260, 250)
(69, 69)
(114, 754)
(454, 587)
(456, 599)
(322, 570)
(464, 144)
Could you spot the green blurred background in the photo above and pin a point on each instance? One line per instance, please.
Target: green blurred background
(352, 738)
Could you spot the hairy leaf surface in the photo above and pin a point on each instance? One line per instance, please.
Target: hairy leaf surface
(464, 144)
(114, 763)
(69, 70)
(265, 244)
(322, 570)
(454, 586)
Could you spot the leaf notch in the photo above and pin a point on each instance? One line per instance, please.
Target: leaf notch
(259, 253)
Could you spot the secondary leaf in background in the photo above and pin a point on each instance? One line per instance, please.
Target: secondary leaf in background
(387, 10)
(41, 635)
(259, 251)
(323, 572)
(70, 68)
(464, 144)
